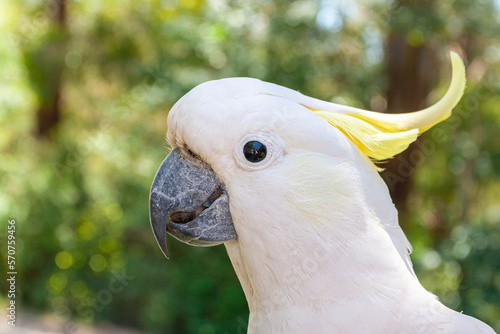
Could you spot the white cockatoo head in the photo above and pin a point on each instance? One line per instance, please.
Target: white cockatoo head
(288, 183)
(251, 142)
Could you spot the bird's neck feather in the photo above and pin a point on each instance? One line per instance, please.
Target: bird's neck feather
(314, 239)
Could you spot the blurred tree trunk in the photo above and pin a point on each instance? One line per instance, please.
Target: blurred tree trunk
(411, 70)
(45, 65)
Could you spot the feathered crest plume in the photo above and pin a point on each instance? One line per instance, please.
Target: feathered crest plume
(381, 136)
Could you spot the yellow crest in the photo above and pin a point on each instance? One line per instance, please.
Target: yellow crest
(381, 136)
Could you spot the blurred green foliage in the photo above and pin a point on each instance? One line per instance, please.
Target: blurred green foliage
(80, 197)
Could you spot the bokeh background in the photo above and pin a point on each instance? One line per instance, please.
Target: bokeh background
(85, 88)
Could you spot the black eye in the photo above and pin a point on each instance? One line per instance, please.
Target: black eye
(254, 151)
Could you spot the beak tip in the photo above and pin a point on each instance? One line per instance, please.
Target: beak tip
(159, 232)
(165, 252)
(158, 226)
(158, 217)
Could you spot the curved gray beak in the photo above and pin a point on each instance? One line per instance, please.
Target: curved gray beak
(189, 202)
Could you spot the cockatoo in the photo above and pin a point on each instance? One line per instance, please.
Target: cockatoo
(289, 185)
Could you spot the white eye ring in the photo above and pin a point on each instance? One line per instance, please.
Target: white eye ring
(272, 147)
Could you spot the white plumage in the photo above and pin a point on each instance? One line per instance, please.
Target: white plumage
(319, 246)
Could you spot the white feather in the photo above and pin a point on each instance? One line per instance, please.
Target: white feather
(319, 246)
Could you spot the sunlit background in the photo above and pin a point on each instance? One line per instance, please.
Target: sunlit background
(85, 88)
